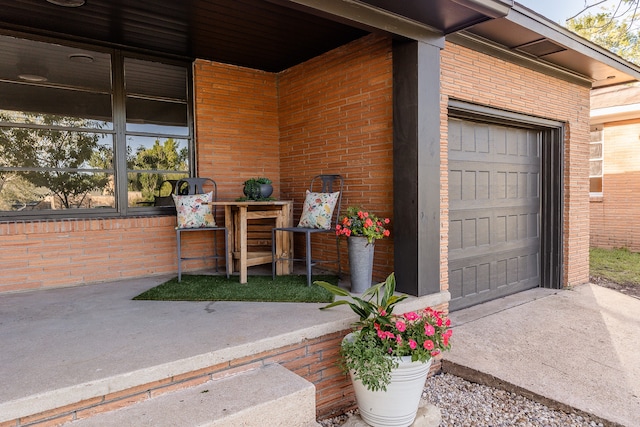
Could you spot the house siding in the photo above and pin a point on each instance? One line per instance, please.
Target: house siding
(474, 77)
(615, 222)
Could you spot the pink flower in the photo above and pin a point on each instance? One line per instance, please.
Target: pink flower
(347, 232)
(399, 339)
(401, 326)
(434, 353)
(386, 233)
(447, 323)
(413, 344)
(412, 315)
(428, 345)
(368, 222)
(429, 330)
(387, 220)
(360, 214)
(381, 311)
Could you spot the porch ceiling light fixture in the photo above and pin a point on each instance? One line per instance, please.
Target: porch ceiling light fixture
(81, 58)
(67, 3)
(32, 77)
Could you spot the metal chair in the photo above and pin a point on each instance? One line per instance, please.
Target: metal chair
(192, 186)
(320, 184)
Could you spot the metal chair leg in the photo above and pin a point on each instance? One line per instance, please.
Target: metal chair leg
(338, 253)
(308, 236)
(179, 256)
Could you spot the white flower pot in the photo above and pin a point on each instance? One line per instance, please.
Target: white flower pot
(398, 405)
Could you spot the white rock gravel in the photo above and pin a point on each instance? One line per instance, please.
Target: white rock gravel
(463, 403)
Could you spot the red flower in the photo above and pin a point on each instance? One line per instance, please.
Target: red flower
(429, 330)
(412, 315)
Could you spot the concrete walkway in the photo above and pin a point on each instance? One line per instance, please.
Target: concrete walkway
(579, 347)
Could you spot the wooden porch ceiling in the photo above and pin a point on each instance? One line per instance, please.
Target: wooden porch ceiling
(273, 35)
(252, 33)
(270, 35)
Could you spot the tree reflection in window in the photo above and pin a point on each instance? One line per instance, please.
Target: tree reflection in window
(51, 161)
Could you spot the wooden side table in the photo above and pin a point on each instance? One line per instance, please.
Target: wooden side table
(237, 214)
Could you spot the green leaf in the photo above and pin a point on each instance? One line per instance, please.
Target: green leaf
(336, 290)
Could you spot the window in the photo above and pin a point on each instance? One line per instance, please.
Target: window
(97, 132)
(595, 159)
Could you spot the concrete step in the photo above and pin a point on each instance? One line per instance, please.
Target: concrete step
(271, 395)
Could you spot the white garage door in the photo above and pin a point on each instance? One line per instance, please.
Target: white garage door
(494, 211)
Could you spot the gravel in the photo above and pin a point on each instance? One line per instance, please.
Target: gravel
(463, 403)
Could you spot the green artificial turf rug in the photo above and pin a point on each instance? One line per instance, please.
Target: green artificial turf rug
(289, 288)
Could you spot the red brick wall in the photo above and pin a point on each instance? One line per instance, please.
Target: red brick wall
(42, 254)
(615, 221)
(336, 117)
(474, 77)
(236, 112)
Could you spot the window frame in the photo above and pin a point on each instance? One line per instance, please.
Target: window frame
(119, 134)
(600, 129)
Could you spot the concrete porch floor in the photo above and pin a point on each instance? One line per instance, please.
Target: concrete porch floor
(577, 347)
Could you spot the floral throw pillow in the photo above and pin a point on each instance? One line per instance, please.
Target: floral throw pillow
(193, 210)
(318, 210)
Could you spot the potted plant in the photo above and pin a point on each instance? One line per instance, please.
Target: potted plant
(258, 188)
(362, 229)
(388, 356)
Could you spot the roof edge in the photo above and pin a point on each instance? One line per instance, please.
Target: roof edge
(546, 28)
(490, 8)
(480, 44)
(375, 18)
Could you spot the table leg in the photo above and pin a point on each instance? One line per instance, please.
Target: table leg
(243, 243)
(228, 222)
(287, 238)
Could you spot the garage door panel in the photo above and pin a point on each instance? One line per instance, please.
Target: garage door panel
(485, 273)
(491, 227)
(494, 211)
(497, 252)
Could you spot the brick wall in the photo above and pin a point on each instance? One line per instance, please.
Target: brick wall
(336, 117)
(615, 221)
(236, 112)
(474, 77)
(48, 253)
